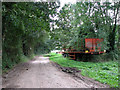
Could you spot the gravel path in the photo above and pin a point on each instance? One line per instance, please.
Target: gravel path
(40, 73)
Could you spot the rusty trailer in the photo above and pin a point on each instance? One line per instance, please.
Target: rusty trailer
(92, 47)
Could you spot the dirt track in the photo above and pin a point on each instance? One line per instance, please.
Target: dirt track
(40, 73)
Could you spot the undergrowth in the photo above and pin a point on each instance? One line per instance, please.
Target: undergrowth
(8, 64)
(105, 72)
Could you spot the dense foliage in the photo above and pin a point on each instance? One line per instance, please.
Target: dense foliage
(25, 28)
(89, 20)
(30, 28)
(105, 72)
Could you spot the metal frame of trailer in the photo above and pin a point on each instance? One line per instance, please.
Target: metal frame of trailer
(72, 55)
(90, 44)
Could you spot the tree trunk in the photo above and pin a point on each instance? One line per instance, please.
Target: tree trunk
(112, 33)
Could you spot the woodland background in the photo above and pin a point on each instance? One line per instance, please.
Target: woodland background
(30, 28)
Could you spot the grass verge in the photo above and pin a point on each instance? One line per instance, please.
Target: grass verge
(11, 64)
(104, 72)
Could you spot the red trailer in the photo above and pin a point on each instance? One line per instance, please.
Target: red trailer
(92, 46)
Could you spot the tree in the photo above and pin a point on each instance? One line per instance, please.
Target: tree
(112, 34)
(26, 27)
(88, 20)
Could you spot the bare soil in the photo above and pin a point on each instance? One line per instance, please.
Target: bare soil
(42, 73)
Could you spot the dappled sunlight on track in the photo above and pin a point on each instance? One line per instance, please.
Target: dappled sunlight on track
(42, 58)
(40, 61)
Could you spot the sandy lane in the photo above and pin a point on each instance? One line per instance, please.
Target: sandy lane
(40, 73)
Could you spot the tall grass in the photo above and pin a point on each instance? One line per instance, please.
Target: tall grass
(105, 72)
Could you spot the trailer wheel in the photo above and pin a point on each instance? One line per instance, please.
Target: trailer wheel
(65, 55)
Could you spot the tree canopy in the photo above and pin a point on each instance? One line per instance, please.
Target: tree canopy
(26, 29)
(37, 27)
(88, 20)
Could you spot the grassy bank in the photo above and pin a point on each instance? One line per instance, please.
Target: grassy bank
(105, 72)
(6, 66)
